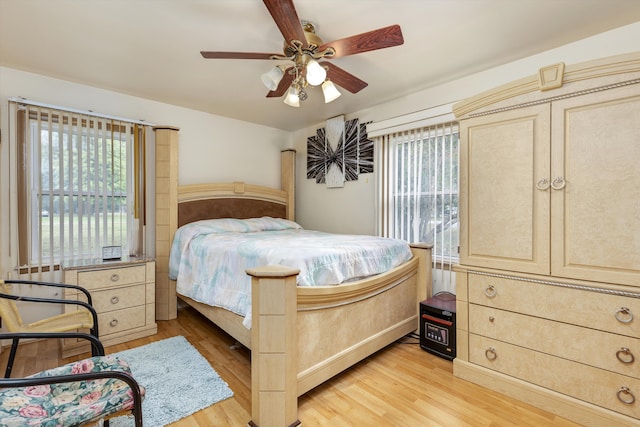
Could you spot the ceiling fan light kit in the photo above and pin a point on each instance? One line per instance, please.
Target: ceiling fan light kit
(330, 91)
(272, 78)
(304, 48)
(315, 73)
(291, 98)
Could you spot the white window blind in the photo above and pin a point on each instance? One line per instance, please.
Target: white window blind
(80, 179)
(419, 191)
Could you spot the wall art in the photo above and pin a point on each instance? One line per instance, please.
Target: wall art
(339, 152)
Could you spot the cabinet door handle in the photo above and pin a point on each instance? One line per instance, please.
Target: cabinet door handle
(543, 184)
(490, 291)
(558, 183)
(625, 396)
(625, 356)
(624, 315)
(115, 277)
(115, 300)
(490, 353)
(113, 323)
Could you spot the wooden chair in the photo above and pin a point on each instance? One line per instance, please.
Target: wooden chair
(83, 318)
(76, 394)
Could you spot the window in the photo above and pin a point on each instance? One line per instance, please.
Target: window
(79, 182)
(420, 189)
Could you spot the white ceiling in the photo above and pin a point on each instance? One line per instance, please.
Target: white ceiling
(150, 48)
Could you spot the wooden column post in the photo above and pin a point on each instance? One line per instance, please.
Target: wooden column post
(288, 180)
(166, 218)
(425, 279)
(274, 347)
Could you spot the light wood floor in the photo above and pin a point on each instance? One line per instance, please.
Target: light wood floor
(401, 385)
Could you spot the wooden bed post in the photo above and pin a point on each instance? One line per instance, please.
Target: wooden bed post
(425, 280)
(288, 180)
(274, 343)
(166, 218)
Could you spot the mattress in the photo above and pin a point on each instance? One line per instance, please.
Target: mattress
(209, 258)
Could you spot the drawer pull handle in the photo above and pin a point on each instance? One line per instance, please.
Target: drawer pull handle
(543, 184)
(624, 315)
(491, 319)
(115, 277)
(625, 356)
(113, 323)
(558, 183)
(625, 396)
(490, 353)
(490, 291)
(115, 300)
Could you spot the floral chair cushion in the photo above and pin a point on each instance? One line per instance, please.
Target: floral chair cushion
(65, 404)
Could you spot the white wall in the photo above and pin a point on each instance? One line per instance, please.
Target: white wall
(211, 148)
(352, 209)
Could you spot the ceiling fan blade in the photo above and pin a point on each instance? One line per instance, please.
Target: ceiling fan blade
(343, 78)
(237, 55)
(365, 42)
(284, 14)
(283, 86)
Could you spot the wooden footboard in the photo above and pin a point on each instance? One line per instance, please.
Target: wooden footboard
(302, 336)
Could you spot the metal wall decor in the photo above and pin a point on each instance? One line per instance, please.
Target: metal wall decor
(339, 152)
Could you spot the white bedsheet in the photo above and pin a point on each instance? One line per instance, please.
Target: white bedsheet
(209, 258)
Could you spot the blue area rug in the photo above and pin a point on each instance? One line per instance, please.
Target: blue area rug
(179, 381)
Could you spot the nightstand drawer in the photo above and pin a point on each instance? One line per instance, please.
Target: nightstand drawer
(123, 295)
(121, 320)
(95, 279)
(119, 298)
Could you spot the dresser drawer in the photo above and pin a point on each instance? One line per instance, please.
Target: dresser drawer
(119, 298)
(593, 385)
(121, 320)
(109, 277)
(617, 353)
(609, 313)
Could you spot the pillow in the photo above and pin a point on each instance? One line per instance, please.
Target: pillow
(267, 223)
(234, 225)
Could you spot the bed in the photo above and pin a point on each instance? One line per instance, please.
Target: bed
(300, 336)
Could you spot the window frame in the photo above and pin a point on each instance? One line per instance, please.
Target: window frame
(34, 196)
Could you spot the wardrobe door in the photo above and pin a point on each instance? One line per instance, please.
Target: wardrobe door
(504, 189)
(595, 198)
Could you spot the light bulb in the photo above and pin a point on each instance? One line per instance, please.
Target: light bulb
(272, 78)
(330, 91)
(315, 73)
(291, 98)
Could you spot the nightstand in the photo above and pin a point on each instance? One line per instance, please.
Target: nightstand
(123, 294)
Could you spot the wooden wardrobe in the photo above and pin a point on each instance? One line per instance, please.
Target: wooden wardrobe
(548, 286)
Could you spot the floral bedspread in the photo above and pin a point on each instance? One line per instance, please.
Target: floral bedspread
(209, 258)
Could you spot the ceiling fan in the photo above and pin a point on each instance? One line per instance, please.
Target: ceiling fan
(304, 48)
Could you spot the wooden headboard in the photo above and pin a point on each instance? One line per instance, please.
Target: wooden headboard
(178, 205)
(229, 200)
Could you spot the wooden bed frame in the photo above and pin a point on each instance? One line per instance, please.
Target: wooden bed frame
(300, 336)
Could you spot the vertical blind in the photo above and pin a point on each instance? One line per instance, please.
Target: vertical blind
(419, 190)
(79, 177)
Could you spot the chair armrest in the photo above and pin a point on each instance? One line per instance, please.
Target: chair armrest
(89, 307)
(50, 284)
(48, 335)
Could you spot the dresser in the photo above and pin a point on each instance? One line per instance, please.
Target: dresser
(548, 286)
(123, 294)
